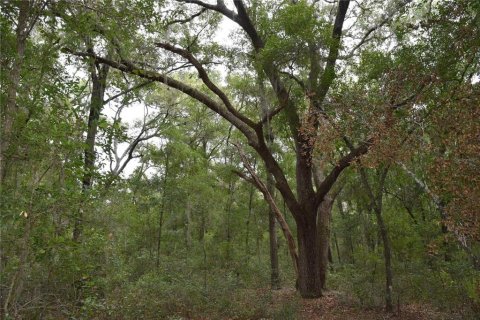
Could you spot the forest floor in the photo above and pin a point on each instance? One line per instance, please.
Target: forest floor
(334, 306)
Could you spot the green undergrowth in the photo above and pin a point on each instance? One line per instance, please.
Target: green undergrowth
(181, 289)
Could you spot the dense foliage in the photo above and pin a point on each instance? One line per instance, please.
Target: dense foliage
(158, 157)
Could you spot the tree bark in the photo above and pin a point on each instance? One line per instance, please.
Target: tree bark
(267, 129)
(250, 210)
(337, 248)
(98, 76)
(387, 255)
(324, 215)
(348, 236)
(323, 229)
(272, 231)
(309, 281)
(162, 207)
(228, 209)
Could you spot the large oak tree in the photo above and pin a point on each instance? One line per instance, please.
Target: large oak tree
(297, 53)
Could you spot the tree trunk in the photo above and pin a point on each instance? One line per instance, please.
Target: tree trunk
(204, 250)
(309, 283)
(10, 110)
(348, 236)
(162, 207)
(387, 255)
(323, 229)
(99, 80)
(188, 225)
(275, 273)
(250, 210)
(324, 214)
(228, 209)
(255, 180)
(376, 204)
(337, 248)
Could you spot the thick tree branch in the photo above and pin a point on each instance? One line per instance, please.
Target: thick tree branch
(243, 20)
(255, 138)
(330, 179)
(294, 78)
(219, 7)
(206, 80)
(196, 94)
(329, 72)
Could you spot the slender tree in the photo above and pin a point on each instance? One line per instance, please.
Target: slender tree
(376, 205)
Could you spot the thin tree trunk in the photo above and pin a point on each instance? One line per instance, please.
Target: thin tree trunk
(387, 255)
(162, 208)
(204, 249)
(323, 229)
(272, 231)
(255, 180)
(99, 76)
(10, 109)
(188, 225)
(231, 187)
(250, 210)
(376, 204)
(275, 270)
(159, 235)
(348, 239)
(337, 248)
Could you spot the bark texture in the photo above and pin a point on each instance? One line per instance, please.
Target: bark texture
(98, 75)
(323, 229)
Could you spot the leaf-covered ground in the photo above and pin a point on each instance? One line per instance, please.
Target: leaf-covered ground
(335, 306)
